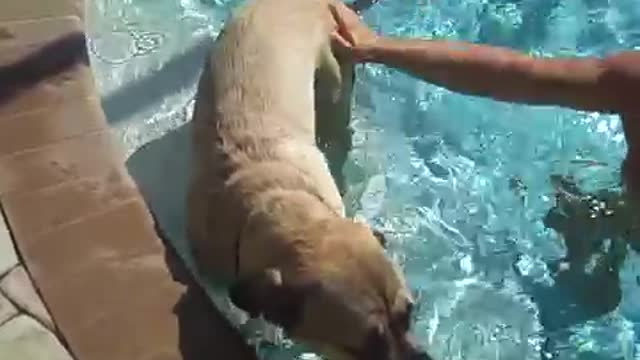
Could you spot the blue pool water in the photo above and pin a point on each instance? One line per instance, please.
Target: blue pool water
(436, 170)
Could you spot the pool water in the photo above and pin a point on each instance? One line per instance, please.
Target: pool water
(460, 184)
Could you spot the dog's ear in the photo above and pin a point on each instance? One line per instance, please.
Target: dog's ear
(381, 237)
(266, 294)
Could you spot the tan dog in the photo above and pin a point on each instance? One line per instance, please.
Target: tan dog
(265, 213)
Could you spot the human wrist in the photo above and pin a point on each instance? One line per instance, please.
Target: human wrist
(369, 52)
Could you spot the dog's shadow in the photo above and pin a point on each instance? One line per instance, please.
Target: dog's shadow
(161, 169)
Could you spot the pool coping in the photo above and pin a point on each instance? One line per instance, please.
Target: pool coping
(89, 273)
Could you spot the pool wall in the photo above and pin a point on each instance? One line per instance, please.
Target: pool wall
(83, 272)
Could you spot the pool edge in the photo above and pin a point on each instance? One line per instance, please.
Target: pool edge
(110, 289)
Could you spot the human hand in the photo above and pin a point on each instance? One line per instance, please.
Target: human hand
(352, 36)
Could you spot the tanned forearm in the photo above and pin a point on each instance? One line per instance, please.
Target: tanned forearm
(500, 73)
(611, 84)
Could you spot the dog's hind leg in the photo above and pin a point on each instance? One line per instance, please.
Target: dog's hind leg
(333, 94)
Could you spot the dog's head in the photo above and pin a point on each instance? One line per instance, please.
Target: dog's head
(344, 298)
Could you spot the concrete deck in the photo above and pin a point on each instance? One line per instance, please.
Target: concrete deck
(83, 273)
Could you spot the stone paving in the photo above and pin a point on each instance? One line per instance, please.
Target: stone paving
(26, 329)
(83, 272)
(8, 257)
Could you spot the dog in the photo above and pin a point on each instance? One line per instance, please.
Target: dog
(265, 215)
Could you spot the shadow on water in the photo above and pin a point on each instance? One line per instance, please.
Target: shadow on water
(362, 5)
(161, 168)
(203, 332)
(574, 298)
(179, 72)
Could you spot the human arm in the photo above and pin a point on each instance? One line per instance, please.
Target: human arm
(592, 84)
(610, 84)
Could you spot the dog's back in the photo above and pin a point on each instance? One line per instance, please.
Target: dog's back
(263, 66)
(255, 122)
